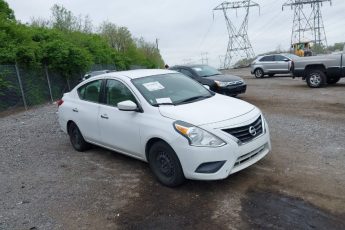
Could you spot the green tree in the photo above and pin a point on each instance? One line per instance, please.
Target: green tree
(319, 49)
(119, 38)
(6, 12)
(66, 58)
(16, 44)
(151, 53)
(62, 18)
(336, 47)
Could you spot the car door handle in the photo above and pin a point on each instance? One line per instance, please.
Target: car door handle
(75, 110)
(104, 116)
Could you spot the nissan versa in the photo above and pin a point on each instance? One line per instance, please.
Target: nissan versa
(179, 127)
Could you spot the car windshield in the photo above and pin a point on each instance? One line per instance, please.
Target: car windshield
(205, 71)
(170, 89)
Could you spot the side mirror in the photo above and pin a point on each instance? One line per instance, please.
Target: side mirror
(127, 106)
(207, 87)
(286, 60)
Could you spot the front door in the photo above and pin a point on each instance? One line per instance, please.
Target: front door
(281, 65)
(119, 129)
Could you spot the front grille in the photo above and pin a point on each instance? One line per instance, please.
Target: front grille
(248, 132)
(231, 83)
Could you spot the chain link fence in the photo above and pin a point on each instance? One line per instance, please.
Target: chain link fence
(22, 87)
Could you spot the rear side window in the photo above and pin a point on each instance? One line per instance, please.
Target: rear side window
(186, 72)
(90, 91)
(116, 92)
(267, 58)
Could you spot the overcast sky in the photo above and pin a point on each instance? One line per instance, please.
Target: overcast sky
(186, 29)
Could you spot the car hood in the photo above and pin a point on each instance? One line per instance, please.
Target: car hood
(224, 78)
(215, 109)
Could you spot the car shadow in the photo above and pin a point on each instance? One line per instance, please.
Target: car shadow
(335, 86)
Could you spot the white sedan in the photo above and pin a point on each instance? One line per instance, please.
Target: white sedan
(179, 127)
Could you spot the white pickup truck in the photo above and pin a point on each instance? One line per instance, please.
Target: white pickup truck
(320, 70)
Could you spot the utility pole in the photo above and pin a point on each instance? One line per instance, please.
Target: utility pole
(157, 47)
(204, 58)
(307, 23)
(239, 46)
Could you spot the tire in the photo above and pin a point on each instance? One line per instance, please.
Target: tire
(271, 75)
(77, 140)
(316, 78)
(332, 80)
(165, 165)
(259, 73)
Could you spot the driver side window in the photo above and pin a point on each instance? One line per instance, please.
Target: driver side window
(280, 58)
(116, 92)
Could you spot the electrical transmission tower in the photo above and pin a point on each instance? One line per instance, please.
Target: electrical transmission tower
(239, 46)
(204, 58)
(308, 24)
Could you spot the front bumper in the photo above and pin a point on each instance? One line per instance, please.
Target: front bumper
(237, 157)
(232, 90)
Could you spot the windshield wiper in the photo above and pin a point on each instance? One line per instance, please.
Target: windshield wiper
(214, 74)
(165, 103)
(191, 99)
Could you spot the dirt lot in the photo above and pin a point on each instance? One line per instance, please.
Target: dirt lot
(45, 184)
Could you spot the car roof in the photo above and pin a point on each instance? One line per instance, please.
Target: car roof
(188, 65)
(283, 54)
(133, 74)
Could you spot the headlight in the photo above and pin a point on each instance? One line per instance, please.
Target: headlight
(264, 124)
(197, 136)
(221, 84)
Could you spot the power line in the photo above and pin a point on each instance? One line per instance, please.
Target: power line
(239, 44)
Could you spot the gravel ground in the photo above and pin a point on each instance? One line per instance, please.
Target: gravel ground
(45, 184)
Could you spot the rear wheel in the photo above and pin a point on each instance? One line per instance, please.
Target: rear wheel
(332, 80)
(165, 164)
(315, 78)
(259, 73)
(77, 140)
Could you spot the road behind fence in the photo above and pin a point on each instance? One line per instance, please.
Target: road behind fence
(25, 87)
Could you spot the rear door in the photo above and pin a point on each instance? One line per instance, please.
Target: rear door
(119, 129)
(268, 63)
(281, 65)
(86, 110)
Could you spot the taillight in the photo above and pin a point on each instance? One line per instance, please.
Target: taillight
(59, 102)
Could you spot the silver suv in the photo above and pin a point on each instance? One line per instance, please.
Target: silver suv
(272, 64)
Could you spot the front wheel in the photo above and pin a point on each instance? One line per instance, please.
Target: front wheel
(316, 78)
(332, 80)
(259, 73)
(165, 165)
